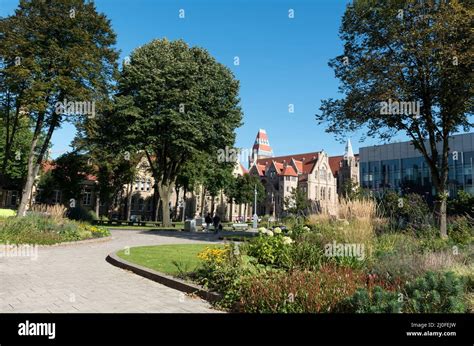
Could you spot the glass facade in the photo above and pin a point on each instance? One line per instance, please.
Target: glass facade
(413, 174)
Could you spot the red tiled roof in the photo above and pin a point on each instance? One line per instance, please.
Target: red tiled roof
(298, 165)
(289, 171)
(335, 163)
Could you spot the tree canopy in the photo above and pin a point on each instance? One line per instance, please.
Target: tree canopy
(406, 67)
(178, 102)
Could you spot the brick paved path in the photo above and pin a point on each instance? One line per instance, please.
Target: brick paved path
(76, 278)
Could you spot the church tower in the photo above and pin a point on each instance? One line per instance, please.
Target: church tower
(261, 148)
(349, 169)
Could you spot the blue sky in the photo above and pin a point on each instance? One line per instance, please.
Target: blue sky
(282, 61)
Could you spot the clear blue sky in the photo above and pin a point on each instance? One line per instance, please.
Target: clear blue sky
(282, 61)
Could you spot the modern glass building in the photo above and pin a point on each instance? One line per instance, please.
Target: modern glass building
(400, 167)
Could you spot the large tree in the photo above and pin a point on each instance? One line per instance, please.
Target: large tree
(54, 51)
(406, 51)
(183, 103)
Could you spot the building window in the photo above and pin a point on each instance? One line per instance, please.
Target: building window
(329, 194)
(86, 196)
(322, 174)
(12, 198)
(137, 184)
(148, 184)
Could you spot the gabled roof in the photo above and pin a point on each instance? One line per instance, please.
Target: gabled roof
(289, 171)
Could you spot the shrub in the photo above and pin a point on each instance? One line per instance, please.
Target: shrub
(436, 293)
(375, 300)
(306, 254)
(299, 291)
(463, 204)
(222, 271)
(56, 211)
(80, 213)
(401, 257)
(269, 249)
(406, 212)
(41, 229)
(461, 230)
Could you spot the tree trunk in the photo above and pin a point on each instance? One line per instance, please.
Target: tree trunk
(30, 179)
(165, 196)
(231, 210)
(176, 211)
(97, 206)
(129, 202)
(203, 201)
(212, 205)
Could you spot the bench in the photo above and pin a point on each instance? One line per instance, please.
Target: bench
(237, 226)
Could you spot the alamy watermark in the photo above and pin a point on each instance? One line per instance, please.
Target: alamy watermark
(335, 249)
(75, 107)
(21, 250)
(229, 154)
(400, 107)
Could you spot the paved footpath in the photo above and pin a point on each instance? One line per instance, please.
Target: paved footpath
(76, 278)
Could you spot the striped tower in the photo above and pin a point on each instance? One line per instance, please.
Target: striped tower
(261, 148)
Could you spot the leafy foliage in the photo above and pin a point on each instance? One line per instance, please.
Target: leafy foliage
(436, 292)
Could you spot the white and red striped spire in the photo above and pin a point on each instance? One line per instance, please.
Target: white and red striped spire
(261, 148)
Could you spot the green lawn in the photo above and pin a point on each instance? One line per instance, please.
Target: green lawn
(4, 213)
(168, 259)
(146, 228)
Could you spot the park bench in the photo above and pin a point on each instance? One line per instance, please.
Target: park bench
(242, 226)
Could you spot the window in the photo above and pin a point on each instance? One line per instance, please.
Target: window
(12, 198)
(137, 184)
(322, 174)
(142, 184)
(86, 196)
(323, 193)
(329, 193)
(148, 184)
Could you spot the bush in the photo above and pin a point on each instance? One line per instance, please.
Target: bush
(41, 229)
(461, 230)
(463, 204)
(375, 300)
(81, 214)
(270, 249)
(406, 212)
(436, 293)
(222, 271)
(299, 291)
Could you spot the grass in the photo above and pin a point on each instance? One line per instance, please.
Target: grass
(46, 230)
(4, 213)
(173, 259)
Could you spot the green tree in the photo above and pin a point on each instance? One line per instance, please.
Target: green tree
(181, 103)
(297, 202)
(417, 52)
(244, 190)
(69, 172)
(55, 51)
